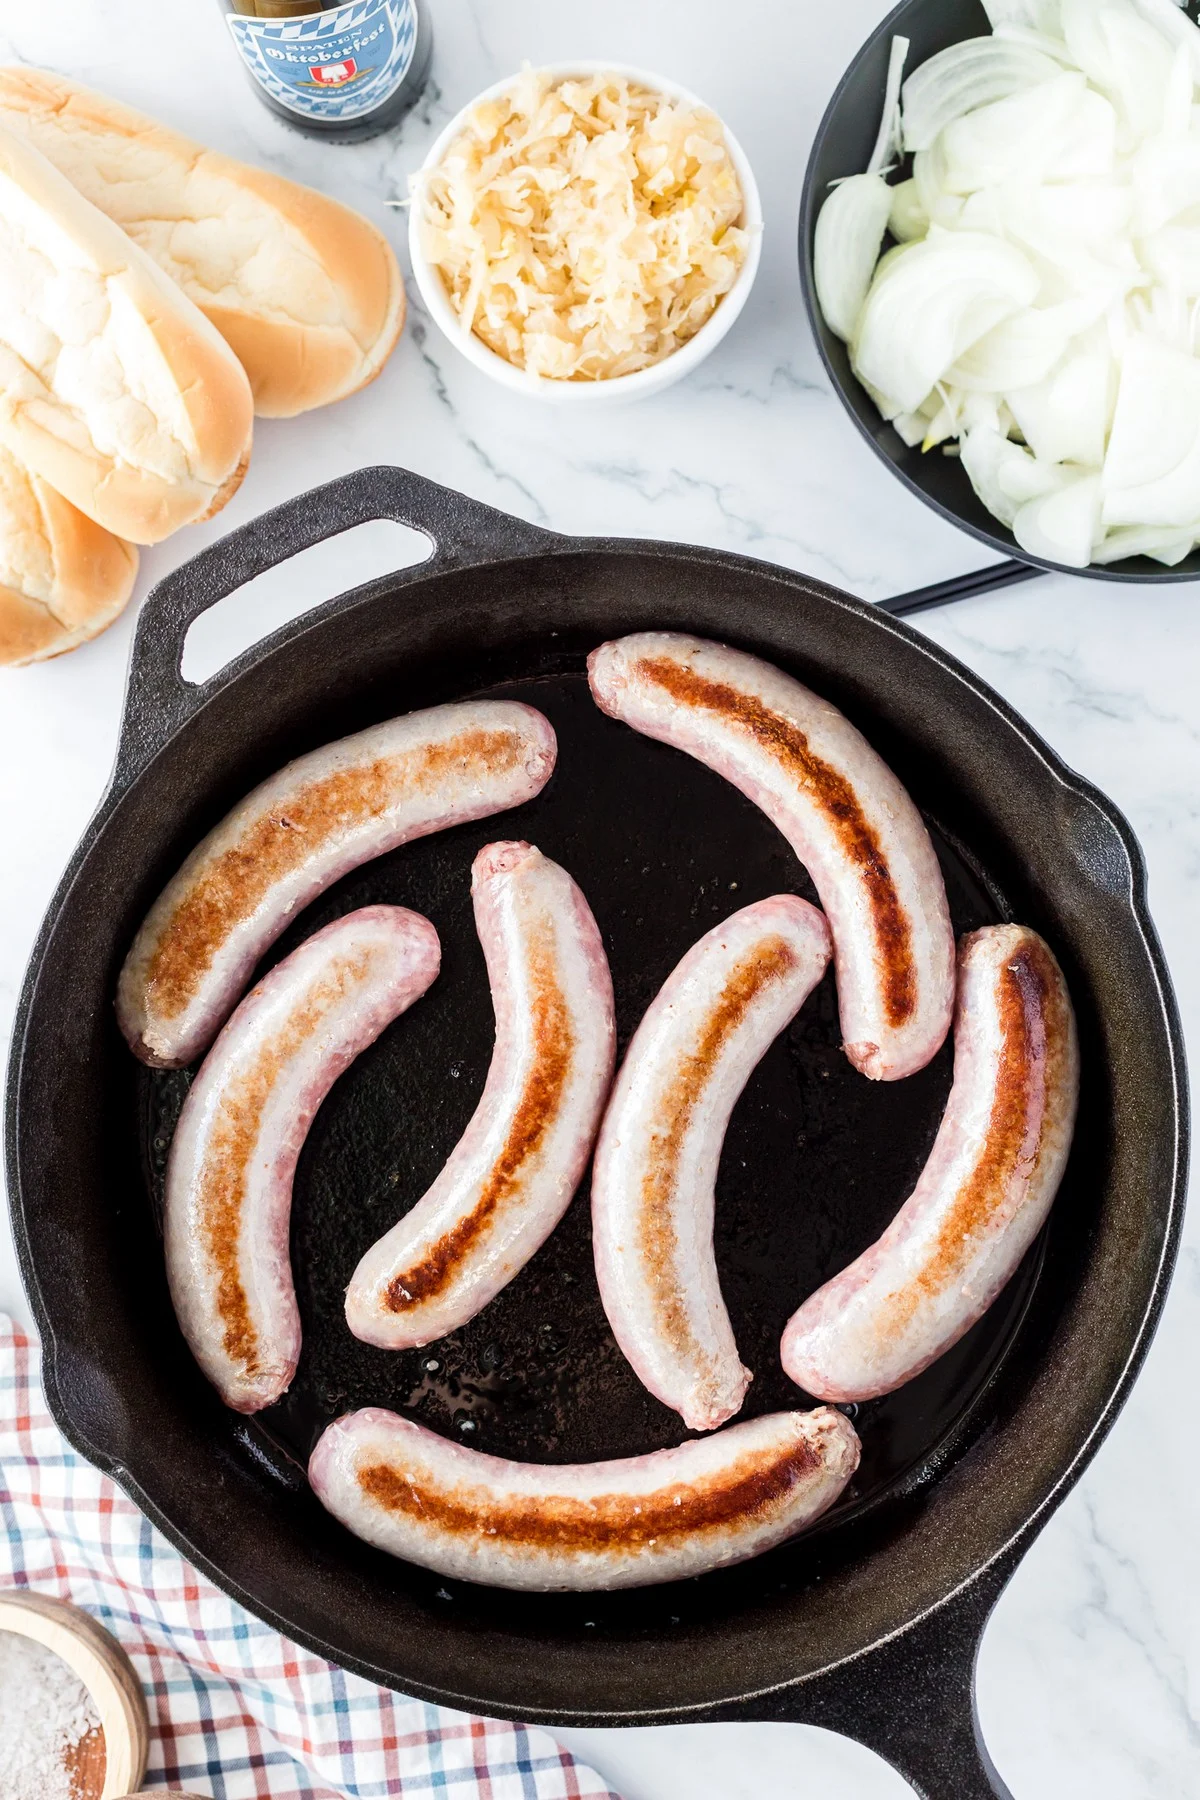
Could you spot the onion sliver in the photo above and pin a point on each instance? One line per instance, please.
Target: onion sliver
(854, 219)
(1033, 15)
(1173, 256)
(1165, 543)
(1169, 18)
(1062, 527)
(1166, 182)
(1125, 57)
(929, 178)
(1067, 417)
(1005, 476)
(849, 237)
(1024, 349)
(970, 74)
(1058, 131)
(1152, 470)
(908, 219)
(1079, 232)
(930, 302)
(888, 140)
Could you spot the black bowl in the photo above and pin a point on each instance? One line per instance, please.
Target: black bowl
(843, 147)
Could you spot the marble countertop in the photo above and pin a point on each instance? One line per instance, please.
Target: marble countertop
(1090, 1673)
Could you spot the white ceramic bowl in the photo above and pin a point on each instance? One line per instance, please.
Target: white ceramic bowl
(619, 387)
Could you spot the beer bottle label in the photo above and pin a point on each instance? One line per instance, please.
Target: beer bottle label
(331, 65)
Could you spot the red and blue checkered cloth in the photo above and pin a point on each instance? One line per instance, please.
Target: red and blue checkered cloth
(236, 1710)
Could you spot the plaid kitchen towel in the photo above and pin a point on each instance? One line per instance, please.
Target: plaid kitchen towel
(235, 1709)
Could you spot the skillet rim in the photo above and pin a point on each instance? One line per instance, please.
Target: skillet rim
(534, 543)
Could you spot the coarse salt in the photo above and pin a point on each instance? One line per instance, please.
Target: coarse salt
(45, 1712)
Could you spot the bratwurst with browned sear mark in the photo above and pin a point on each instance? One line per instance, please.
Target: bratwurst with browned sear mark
(234, 1154)
(630, 1523)
(653, 1190)
(983, 1195)
(510, 1179)
(844, 813)
(296, 834)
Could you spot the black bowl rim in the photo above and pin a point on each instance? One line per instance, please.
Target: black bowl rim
(1132, 569)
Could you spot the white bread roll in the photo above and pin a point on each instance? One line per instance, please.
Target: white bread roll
(114, 388)
(62, 577)
(308, 294)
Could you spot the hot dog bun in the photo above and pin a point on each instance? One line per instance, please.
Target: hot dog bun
(307, 293)
(62, 578)
(114, 388)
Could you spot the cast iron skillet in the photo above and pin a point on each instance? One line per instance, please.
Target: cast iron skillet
(869, 1624)
(842, 146)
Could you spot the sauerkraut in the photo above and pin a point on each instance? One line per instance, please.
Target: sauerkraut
(584, 228)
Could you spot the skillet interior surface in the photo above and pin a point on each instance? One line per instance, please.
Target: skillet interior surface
(816, 1161)
(815, 1164)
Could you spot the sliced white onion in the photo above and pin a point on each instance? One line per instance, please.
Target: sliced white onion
(967, 75)
(929, 173)
(1166, 181)
(1152, 470)
(945, 421)
(930, 302)
(908, 219)
(1042, 305)
(1169, 18)
(1050, 46)
(912, 427)
(1067, 417)
(1004, 475)
(985, 409)
(1165, 543)
(1172, 255)
(888, 140)
(1059, 131)
(853, 221)
(1032, 15)
(846, 246)
(1180, 95)
(1163, 314)
(1077, 234)
(1062, 527)
(1020, 350)
(1096, 211)
(888, 408)
(1024, 349)
(1125, 57)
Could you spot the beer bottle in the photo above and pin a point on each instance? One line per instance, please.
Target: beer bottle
(342, 69)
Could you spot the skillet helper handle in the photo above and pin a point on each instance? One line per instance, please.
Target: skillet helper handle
(912, 1699)
(462, 531)
(959, 587)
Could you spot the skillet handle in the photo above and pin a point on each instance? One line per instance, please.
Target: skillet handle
(462, 531)
(912, 1699)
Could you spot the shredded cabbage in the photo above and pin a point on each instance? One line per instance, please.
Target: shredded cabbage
(1035, 299)
(584, 228)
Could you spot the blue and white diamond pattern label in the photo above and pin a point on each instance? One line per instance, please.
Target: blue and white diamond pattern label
(331, 65)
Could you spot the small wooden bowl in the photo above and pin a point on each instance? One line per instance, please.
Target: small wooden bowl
(109, 1761)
